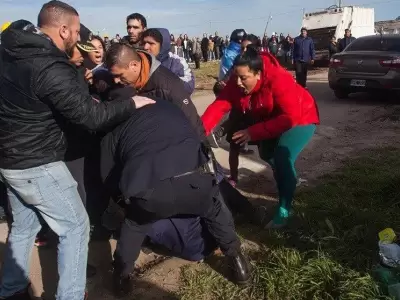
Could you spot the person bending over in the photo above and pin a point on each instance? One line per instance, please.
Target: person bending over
(282, 118)
(155, 160)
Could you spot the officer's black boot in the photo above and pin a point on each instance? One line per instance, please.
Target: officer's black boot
(122, 284)
(241, 274)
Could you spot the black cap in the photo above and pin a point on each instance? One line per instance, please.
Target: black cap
(238, 35)
(85, 43)
(303, 28)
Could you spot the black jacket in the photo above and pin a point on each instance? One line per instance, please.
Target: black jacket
(38, 85)
(1, 64)
(344, 42)
(80, 143)
(204, 44)
(333, 49)
(164, 84)
(156, 143)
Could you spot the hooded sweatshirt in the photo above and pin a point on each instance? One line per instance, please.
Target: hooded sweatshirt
(174, 63)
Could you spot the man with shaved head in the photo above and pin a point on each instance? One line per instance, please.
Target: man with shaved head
(39, 89)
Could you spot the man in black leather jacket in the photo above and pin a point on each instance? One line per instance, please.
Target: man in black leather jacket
(346, 40)
(38, 86)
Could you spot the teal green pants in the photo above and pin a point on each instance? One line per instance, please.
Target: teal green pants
(281, 154)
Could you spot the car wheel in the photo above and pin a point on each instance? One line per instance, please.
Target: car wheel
(341, 94)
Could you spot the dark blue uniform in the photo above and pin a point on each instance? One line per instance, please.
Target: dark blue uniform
(155, 160)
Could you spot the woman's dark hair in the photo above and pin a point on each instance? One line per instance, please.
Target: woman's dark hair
(154, 33)
(97, 37)
(252, 39)
(251, 59)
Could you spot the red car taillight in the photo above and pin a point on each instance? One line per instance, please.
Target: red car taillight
(335, 62)
(390, 63)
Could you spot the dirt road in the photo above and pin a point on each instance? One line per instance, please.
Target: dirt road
(347, 127)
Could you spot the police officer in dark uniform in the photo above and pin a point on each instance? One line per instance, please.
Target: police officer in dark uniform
(155, 161)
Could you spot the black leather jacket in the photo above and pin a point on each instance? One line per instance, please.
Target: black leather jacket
(38, 86)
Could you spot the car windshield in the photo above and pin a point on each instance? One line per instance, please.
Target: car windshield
(375, 44)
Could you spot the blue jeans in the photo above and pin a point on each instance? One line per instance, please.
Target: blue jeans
(51, 191)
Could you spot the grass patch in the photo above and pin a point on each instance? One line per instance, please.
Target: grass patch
(330, 247)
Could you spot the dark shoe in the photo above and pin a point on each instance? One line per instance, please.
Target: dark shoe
(123, 285)
(240, 269)
(258, 215)
(90, 271)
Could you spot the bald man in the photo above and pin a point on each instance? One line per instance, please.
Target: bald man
(33, 146)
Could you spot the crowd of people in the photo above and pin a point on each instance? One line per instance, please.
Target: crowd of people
(85, 121)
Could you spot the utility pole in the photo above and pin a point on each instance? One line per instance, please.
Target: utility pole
(340, 3)
(266, 26)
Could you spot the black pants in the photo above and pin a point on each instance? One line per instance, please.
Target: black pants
(76, 168)
(194, 194)
(301, 72)
(205, 54)
(217, 52)
(98, 197)
(196, 58)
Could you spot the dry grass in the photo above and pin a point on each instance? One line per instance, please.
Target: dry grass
(206, 76)
(329, 249)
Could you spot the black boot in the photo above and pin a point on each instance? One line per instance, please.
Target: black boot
(122, 285)
(240, 269)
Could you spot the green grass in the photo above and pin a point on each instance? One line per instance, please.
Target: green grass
(330, 247)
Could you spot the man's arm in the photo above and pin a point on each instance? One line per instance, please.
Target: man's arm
(58, 87)
(186, 74)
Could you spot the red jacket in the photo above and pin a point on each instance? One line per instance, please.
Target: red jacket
(277, 100)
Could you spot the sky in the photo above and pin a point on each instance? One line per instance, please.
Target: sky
(194, 17)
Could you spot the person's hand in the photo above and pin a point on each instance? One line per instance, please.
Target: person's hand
(312, 61)
(142, 101)
(292, 62)
(222, 83)
(241, 137)
(89, 76)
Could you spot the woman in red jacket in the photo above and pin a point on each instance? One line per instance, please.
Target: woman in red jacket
(281, 118)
